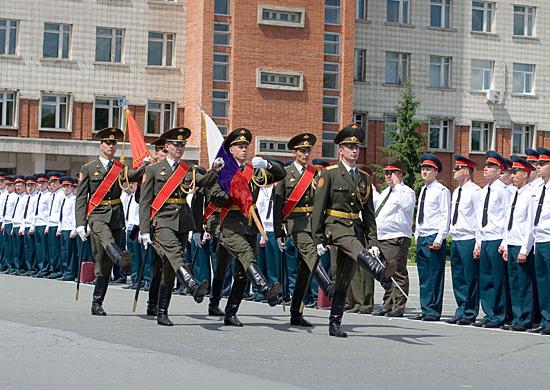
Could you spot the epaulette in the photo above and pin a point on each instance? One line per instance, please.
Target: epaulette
(363, 172)
(331, 167)
(89, 162)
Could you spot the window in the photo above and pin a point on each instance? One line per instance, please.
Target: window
(7, 109)
(57, 40)
(330, 109)
(440, 13)
(8, 36)
(222, 34)
(108, 44)
(273, 146)
(482, 75)
(360, 65)
(160, 117)
(107, 113)
(361, 9)
(54, 112)
(398, 11)
(222, 129)
(221, 7)
(440, 72)
(281, 16)
(221, 67)
(524, 21)
(524, 77)
(481, 137)
(275, 79)
(332, 44)
(220, 103)
(522, 138)
(332, 11)
(160, 50)
(440, 133)
(482, 16)
(397, 67)
(390, 126)
(329, 147)
(360, 118)
(331, 76)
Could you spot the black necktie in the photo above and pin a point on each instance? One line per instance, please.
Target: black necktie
(455, 214)
(5, 206)
(352, 173)
(15, 208)
(270, 205)
(26, 207)
(37, 203)
(51, 204)
(109, 165)
(421, 208)
(61, 212)
(383, 203)
(128, 207)
(242, 167)
(484, 218)
(511, 220)
(539, 208)
(174, 166)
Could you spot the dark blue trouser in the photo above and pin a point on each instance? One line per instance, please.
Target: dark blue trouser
(289, 267)
(492, 288)
(54, 250)
(521, 277)
(201, 268)
(41, 242)
(7, 259)
(18, 251)
(137, 252)
(465, 274)
(542, 269)
(2, 265)
(431, 274)
(69, 255)
(30, 252)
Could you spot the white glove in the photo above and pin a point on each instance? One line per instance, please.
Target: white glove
(73, 234)
(197, 239)
(81, 231)
(218, 164)
(373, 250)
(258, 162)
(321, 249)
(146, 240)
(205, 237)
(147, 160)
(281, 243)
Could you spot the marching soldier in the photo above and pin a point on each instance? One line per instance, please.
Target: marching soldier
(239, 235)
(165, 218)
(532, 158)
(98, 205)
(293, 207)
(343, 217)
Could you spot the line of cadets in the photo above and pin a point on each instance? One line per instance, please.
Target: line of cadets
(500, 253)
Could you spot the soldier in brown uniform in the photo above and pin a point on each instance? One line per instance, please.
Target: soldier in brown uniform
(343, 217)
(98, 205)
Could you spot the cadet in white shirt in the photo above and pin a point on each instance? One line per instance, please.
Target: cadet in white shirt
(494, 202)
(18, 243)
(517, 247)
(7, 225)
(38, 229)
(432, 228)
(464, 270)
(535, 180)
(28, 220)
(394, 210)
(3, 198)
(52, 230)
(67, 229)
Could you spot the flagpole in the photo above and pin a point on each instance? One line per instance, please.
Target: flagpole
(258, 223)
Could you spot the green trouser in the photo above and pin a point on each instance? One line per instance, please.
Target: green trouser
(307, 260)
(102, 236)
(169, 245)
(362, 288)
(396, 249)
(242, 246)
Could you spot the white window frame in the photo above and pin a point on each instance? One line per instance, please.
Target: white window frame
(445, 13)
(390, 124)
(527, 76)
(332, 72)
(444, 65)
(228, 8)
(10, 24)
(361, 9)
(403, 67)
(328, 141)
(360, 66)
(62, 30)
(58, 104)
(276, 15)
(487, 137)
(112, 106)
(226, 33)
(335, 106)
(277, 74)
(166, 39)
(527, 134)
(337, 9)
(442, 125)
(404, 14)
(117, 34)
(162, 110)
(488, 9)
(335, 43)
(487, 74)
(529, 19)
(224, 100)
(4, 110)
(276, 143)
(222, 65)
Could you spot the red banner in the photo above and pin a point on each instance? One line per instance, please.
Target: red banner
(137, 142)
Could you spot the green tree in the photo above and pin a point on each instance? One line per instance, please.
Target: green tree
(407, 142)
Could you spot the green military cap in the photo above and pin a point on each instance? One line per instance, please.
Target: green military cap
(305, 140)
(159, 143)
(392, 164)
(237, 136)
(109, 134)
(351, 134)
(176, 135)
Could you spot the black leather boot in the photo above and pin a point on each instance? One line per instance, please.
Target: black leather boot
(336, 313)
(233, 302)
(270, 293)
(297, 319)
(197, 290)
(152, 303)
(323, 280)
(378, 271)
(165, 293)
(100, 289)
(120, 257)
(215, 296)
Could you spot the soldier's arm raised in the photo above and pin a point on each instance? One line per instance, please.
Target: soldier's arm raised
(275, 172)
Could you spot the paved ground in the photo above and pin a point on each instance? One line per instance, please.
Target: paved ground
(49, 341)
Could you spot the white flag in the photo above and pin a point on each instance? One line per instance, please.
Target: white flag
(213, 135)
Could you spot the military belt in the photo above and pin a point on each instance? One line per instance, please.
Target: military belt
(176, 201)
(236, 208)
(112, 202)
(308, 209)
(342, 214)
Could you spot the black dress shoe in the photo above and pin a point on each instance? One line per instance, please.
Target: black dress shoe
(464, 321)
(491, 325)
(97, 310)
(430, 318)
(452, 320)
(381, 312)
(506, 327)
(334, 330)
(518, 328)
(545, 331)
(537, 329)
(418, 317)
(215, 311)
(395, 313)
(311, 305)
(151, 310)
(163, 320)
(365, 310)
(479, 324)
(232, 321)
(299, 320)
